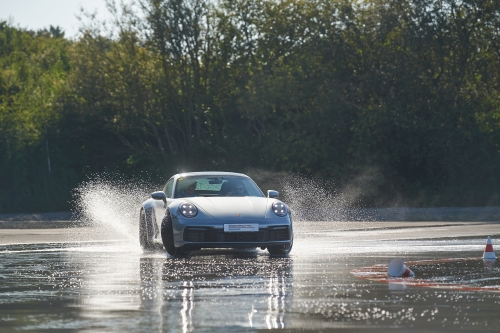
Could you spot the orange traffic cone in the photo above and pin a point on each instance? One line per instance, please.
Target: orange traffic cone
(488, 251)
(397, 268)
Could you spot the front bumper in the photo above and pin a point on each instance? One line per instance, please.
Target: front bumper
(192, 233)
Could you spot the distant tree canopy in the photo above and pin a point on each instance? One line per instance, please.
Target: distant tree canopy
(399, 98)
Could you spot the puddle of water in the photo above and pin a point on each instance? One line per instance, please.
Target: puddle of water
(112, 287)
(471, 272)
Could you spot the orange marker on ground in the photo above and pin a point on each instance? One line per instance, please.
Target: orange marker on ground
(397, 268)
(488, 251)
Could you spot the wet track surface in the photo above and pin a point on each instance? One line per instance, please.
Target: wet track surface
(113, 286)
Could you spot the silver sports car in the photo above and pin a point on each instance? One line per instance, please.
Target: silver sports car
(215, 210)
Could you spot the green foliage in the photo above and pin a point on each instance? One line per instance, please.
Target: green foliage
(33, 70)
(398, 100)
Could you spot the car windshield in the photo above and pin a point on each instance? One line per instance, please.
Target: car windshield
(216, 186)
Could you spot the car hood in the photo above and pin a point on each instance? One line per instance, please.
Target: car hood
(225, 208)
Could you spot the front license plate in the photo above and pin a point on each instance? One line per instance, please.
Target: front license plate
(241, 227)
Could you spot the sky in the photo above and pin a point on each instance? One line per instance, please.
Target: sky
(39, 14)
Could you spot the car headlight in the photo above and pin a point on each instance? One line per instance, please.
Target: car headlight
(280, 209)
(188, 209)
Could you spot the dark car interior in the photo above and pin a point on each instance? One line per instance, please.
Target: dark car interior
(221, 187)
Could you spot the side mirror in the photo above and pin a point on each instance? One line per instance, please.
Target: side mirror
(159, 195)
(272, 194)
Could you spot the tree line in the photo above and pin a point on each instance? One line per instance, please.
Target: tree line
(399, 99)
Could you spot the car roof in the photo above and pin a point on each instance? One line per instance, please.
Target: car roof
(209, 173)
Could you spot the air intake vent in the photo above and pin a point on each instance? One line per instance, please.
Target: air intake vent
(195, 234)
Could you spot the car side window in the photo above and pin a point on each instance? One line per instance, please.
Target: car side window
(168, 188)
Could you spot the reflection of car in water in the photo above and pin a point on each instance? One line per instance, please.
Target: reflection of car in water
(215, 210)
(189, 294)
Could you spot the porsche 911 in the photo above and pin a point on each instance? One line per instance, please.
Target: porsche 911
(215, 210)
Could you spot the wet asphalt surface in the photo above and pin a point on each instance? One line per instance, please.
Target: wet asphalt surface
(85, 283)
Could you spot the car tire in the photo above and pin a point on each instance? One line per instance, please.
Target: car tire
(280, 250)
(167, 234)
(146, 230)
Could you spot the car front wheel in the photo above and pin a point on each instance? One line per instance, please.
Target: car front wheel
(167, 234)
(280, 250)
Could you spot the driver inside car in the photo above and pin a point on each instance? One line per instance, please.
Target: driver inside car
(188, 191)
(238, 190)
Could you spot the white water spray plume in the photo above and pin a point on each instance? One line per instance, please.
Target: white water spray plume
(316, 200)
(313, 199)
(110, 204)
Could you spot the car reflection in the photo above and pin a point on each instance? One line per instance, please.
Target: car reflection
(276, 302)
(187, 306)
(191, 293)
